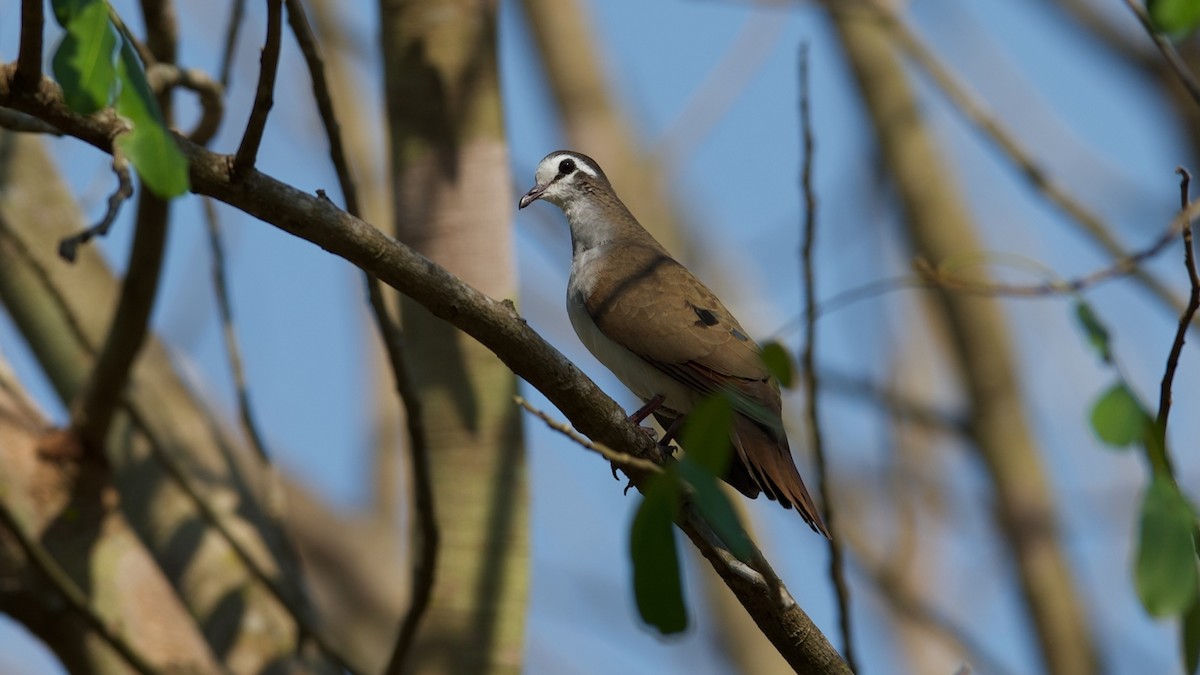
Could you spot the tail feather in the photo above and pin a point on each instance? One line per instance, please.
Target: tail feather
(767, 461)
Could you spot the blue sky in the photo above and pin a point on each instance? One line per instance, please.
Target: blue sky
(1101, 129)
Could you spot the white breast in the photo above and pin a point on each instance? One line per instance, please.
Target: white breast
(642, 378)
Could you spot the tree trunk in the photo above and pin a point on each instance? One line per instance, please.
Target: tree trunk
(453, 202)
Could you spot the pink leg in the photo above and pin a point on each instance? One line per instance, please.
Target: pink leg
(644, 411)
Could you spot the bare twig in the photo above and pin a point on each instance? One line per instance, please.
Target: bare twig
(710, 101)
(71, 592)
(68, 247)
(236, 12)
(1171, 56)
(894, 401)
(19, 121)
(225, 310)
(837, 571)
(623, 460)
(29, 58)
(1185, 319)
(165, 76)
(977, 114)
(427, 540)
(427, 537)
(915, 608)
(264, 97)
(301, 28)
(1125, 266)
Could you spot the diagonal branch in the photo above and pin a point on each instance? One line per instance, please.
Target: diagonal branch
(494, 324)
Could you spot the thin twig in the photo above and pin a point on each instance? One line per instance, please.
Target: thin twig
(165, 76)
(264, 97)
(29, 56)
(936, 277)
(895, 402)
(307, 42)
(69, 246)
(236, 12)
(621, 459)
(837, 571)
(70, 591)
(966, 103)
(427, 539)
(225, 310)
(94, 405)
(1164, 45)
(915, 608)
(1185, 319)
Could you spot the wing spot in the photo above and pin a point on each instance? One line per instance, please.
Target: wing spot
(707, 318)
(740, 335)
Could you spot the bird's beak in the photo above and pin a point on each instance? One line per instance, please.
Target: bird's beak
(532, 196)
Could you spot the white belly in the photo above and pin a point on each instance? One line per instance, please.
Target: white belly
(642, 378)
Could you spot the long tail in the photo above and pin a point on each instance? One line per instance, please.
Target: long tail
(764, 462)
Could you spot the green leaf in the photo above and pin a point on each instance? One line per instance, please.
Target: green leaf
(149, 146)
(1165, 571)
(706, 434)
(65, 10)
(717, 509)
(1189, 638)
(1097, 333)
(1176, 18)
(777, 360)
(1119, 419)
(656, 581)
(83, 63)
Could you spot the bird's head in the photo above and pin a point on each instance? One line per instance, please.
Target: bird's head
(563, 176)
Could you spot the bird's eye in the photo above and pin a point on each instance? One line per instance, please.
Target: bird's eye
(566, 166)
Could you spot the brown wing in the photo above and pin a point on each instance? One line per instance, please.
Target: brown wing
(654, 307)
(650, 304)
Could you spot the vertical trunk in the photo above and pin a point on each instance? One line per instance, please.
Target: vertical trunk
(453, 203)
(939, 227)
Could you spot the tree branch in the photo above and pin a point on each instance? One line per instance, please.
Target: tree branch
(29, 58)
(493, 323)
(264, 97)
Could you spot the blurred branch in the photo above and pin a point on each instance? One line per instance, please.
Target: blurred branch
(19, 121)
(494, 324)
(120, 166)
(1086, 14)
(896, 402)
(264, 96)
(939, 227)
(428, 538)
(937, 276)
(237, 12)
(225, 311)
(710, 101)
(1036, 175)
(1174, 61)
(70, 592)
(808, 366)
(63, 313)
(593, 120)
